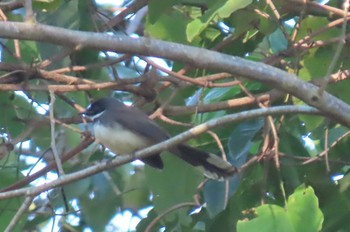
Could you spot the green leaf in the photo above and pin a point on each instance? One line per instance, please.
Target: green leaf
(28, 50)
(292, 145)
(219, 94)
(211, 34)
(136, 194)
(10, 206)
(211, 96)
(270, 218)
(315, 64)
(101, 197)
(175, 184)
(266, 26)
(40, 138)
(217, 193)
(219, 8)
(311, 122)
(311, 24)
(169, 27)
(71, 191)
(243, 21)
(16, 108)
(340, 90)
(240, 140)
(46, 5)
(302, 206)
(59, 13)
(239, 143)
(301, 214)
(231, 6)
(143, 224)
(157, 8)
(335, 134)
(278, 41)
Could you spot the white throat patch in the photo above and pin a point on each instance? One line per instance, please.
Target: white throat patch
(119, 139)
(93, 117)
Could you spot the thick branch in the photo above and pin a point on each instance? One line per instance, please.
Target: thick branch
(270, 96)
(71, 88)
(157, 148)
(9, 6)
(196, 57)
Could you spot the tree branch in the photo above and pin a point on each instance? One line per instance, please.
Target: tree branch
(24, 207)
(270, 96)
(157, 148)
(52, 165)
(333, 107)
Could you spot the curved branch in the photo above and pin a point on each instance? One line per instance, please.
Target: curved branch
(171, 209)
(197, 57)
(51, 166)
(270, 96)
(157, 148)
(12, 5)
(24, 207)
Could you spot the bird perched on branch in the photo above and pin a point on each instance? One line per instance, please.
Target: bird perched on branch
(123, 130)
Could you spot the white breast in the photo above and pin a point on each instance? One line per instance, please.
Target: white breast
(118, 139)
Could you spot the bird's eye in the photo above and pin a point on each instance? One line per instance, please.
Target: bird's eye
(89, 110)
(94, 109)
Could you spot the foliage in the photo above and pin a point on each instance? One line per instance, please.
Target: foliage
(301, 206)
(288, 163)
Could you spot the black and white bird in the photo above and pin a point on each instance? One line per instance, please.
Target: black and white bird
(123, 130)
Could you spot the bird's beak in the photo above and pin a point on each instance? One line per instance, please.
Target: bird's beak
(85, 114)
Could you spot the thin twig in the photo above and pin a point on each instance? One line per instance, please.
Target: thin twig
(305, 159)
(29, 13)
(52, 165)
(175, 74)
(157, 148)
(173, 122)
(2, 16)
(53, 136)
(323, 153)
(159, 111)
(335, 109)
(275, 140)
(338, 50)
(171, 209)
(71, 88)
(93, 65)
(24, 135)
(326, 150)
(131, 8)
(11, 226)
(224, 157)
(273, 8)
(58, 56)
(270, 96)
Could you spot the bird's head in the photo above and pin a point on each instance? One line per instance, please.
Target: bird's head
(98, 107)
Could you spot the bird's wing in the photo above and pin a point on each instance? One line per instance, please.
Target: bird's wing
(138, 122)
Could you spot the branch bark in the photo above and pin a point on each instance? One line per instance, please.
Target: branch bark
(331, 106)
(157, 148)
